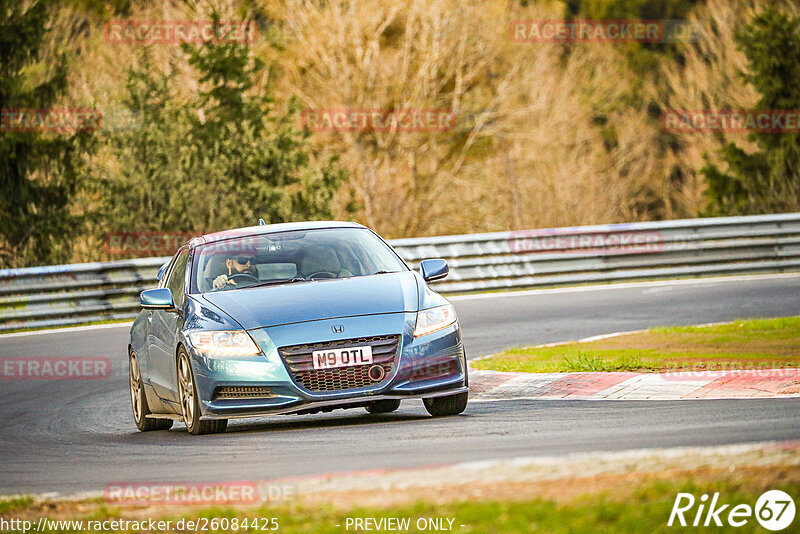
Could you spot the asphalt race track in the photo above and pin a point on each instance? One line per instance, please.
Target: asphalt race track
(71, 436)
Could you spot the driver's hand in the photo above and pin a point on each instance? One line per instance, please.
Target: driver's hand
(221, 281)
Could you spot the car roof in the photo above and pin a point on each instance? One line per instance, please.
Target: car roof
(269, 229)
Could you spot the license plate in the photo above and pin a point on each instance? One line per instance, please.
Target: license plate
(326, 359)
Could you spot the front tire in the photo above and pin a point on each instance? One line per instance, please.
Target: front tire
(190, 404)
(383, 406)
(449, 405)
(139, 400)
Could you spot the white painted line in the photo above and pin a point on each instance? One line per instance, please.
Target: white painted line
(68, 329)
(627, 285)
(571, 341)
(604, 287)
(607, 336)
(599, 338)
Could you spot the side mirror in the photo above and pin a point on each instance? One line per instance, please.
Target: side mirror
(157, 299)
(433, 269)
(161, 270)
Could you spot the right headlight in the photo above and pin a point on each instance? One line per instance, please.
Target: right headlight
(224, 343)
(434, 319)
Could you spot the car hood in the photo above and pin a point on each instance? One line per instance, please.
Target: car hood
(323, 299)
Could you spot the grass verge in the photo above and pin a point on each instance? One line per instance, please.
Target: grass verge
(742, 344)
(642, 504)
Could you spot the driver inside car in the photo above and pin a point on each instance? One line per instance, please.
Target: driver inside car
(239, 264)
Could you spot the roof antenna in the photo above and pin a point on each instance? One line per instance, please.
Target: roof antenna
(261, 222)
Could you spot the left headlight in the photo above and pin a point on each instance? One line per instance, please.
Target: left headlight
(434, 319)
(224, 343)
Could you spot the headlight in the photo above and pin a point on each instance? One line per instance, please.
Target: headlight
(224, 343)
(434, 319)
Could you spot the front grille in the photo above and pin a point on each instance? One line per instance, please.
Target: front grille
(244, 392)
(299, 362)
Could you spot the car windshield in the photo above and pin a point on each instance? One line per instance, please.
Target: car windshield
(290, 257)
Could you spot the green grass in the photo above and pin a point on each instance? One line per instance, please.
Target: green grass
(15, 503)
(743, 344)
(782, 327)
(589, 362)
(644, 507)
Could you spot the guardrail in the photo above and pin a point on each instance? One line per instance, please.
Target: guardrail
(80, 293)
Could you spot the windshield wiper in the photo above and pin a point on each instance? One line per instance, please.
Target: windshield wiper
(276, 282)
(386, 272)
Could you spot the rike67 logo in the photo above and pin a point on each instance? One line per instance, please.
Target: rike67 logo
(774, 510)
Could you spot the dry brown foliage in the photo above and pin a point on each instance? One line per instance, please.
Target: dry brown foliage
(527, 151)
(545, 135)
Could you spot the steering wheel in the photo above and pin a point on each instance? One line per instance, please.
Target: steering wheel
(245, 276)
(327, 274)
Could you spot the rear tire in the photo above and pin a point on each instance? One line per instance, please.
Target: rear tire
(190, 405)
(139, 400)
(383, 406)
(449, 405)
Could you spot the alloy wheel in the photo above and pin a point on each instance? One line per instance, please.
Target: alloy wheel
(136, 388)
(186, 389)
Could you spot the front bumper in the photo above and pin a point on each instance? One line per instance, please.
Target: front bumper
(429, 366)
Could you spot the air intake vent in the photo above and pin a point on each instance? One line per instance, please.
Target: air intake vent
(244, 392)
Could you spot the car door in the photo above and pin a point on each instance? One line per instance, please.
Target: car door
(147, 328)
(165, 326)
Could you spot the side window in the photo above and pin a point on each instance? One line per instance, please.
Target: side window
(177, 276)
(162, 282)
